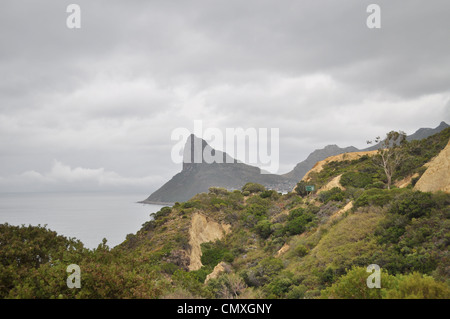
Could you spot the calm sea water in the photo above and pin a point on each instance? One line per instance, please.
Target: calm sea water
(89, 217)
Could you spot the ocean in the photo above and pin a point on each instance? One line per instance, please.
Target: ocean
(89, 217)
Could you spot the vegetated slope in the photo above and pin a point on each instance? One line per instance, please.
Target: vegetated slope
(303, 167)
(288, 246)
(329, 239)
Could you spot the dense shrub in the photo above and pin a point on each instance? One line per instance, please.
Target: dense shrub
(263, 272)
(264, 228)
(413, 204)
(377, 197)
(353, 285)
(214, 253)
(163, 212)
(355, 179)
(298, 221)
(253, 188)
(301, 250)
(378, 184)
(297, 292)
(269, 194)
(279, 286)
(334, 194)
(227, 286)
(300, 189)
(417, 286)
(218, 191)
(218, 203)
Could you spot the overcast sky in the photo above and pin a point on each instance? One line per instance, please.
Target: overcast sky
(92, 109)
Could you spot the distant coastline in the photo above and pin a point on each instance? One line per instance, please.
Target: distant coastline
(149, 202)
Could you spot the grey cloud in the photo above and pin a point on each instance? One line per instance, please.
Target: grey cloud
(109, 95)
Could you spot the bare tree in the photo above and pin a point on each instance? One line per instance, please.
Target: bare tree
(390, 153)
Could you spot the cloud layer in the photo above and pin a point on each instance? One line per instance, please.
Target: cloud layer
(104, 99)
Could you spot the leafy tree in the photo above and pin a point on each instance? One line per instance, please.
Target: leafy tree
(300, 189)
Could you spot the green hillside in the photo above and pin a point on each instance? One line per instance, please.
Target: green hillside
(297, 245)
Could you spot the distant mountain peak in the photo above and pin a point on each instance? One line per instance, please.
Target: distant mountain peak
(197, 151)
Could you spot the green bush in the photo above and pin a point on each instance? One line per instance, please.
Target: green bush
(269, 194)
(417, 286)
(300, 189)
(279, 286)
(218, 203)
(214, 253)
(256, 210)
(377, 197)
(353, 285)
(264, 228)
(253, 188)
(218, 191)
(277, 230)
(301, 250)
(297, 292)
(334, 194)
(355, 179)
(169, 268)
(263, 272)
(187, 205)
(298, 221)
(378, 184)
(413, 204)
(163, 212)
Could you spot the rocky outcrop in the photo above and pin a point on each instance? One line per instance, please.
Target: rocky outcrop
(282, 250)
(201, 231)
(406, 181)
(218, 270)
(437, 175)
